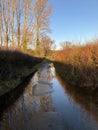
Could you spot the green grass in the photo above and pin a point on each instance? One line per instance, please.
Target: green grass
(15, 66)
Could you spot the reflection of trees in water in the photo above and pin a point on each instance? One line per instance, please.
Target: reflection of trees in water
(46, 75)
(46, 103)
(12, 118)
(25, 109)
(35, 78)
(50, 75)
(87, 100)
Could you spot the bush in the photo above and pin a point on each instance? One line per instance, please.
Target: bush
(80, 65)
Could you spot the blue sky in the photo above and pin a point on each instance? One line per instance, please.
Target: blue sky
(74, 20)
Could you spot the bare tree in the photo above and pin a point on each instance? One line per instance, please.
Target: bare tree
(18, 16)
(41, 19)
(66, 44)
(6, 19)
(13, 5)
(22, 21)
(1, 23)
(25, 31)
(47, 45)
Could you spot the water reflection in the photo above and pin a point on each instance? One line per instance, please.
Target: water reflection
(48, 104)
(87, 100)
(35, 100)
(42, 81)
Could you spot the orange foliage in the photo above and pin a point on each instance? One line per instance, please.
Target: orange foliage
(81, 64)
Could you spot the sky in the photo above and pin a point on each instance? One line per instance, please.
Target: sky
(74, 20)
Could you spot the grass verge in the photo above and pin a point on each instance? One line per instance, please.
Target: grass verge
(15, 66)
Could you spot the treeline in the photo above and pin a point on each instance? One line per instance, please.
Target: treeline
(78, 65)
(23, 22)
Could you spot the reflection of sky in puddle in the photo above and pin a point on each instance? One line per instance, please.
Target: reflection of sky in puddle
(42, 81)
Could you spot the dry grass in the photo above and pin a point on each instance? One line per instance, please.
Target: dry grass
(79, 65)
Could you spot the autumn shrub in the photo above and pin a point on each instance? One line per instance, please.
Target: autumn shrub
(79, 65)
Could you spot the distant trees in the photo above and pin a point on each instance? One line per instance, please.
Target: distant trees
(66, 44)
(23, 22)
(47, 45)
